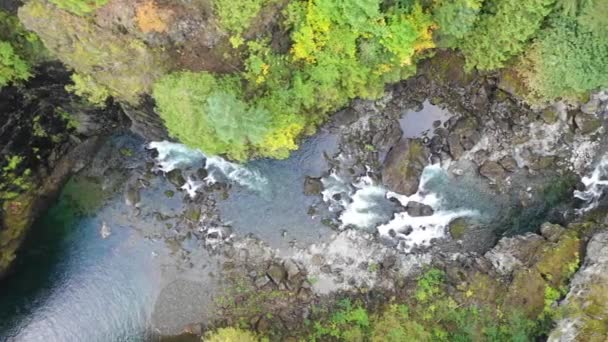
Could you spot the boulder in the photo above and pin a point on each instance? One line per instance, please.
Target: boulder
(277, 273)
(492, 170)
(508, 163)
(403, 166)
(416, 209)
(312, 186)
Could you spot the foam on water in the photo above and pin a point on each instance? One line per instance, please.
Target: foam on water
(368, 207)
(173, 156)
(595, 186)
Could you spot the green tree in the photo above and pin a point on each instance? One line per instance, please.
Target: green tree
(566, 60)
(503, 33)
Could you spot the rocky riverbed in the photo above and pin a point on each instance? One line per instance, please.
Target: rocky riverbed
(447, 170)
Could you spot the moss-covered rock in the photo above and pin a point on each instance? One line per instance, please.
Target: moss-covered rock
(124, 65)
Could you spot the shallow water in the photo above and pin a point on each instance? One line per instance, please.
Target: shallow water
(148, 276)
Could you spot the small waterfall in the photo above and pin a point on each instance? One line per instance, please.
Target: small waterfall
(595, 186)
(367, 205)
(173, 156)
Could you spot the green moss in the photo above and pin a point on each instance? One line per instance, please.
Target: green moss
(231, 335)
(79, 7)
(121, 65)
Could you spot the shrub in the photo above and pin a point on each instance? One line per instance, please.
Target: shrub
(19, 50)
(86, 87)
(12, 67)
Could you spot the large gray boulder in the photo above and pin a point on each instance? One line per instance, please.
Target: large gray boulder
(403, 166)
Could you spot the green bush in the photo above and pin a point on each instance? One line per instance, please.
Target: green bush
(12, 67)
(566, 61)
(503, 33)
(19, 50)
(79, 7)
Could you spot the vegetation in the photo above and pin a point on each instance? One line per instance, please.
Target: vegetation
(19, 50)
(503, 33)
(15, 178)
(122, 65)
(79, 7)
(341, 50)
(569, 57)
(86, 87)
(231, 335)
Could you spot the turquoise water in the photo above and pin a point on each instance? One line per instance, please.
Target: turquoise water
(65, 284)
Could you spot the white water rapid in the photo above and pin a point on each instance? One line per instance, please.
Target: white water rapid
(361, 205)
(173, 156)
(595, 186)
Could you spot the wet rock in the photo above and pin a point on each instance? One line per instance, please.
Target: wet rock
(176, 178)
(261, 281)
(132, 196)
(457, 228)
(312, 186)
(416, 209)
(403, 166)
(193, 329)
(388, 262)
(291, 268)
(463, 136)
(591, 107)
(586, 123)
(551, 232)
(550, 115)
(193, 214)
(492, 170)
(508, 163)
(277, 273)
(539, 163)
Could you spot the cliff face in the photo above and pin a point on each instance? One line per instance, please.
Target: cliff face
(126, 45)
(46, 134)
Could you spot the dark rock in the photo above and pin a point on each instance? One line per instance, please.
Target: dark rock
(277, 273)
(176, 178)
(312, 186)
(492, 170)
(551, 232)
(463, 136)
(508, 163)
(388, 262)
(416, 209)
(403, 166)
